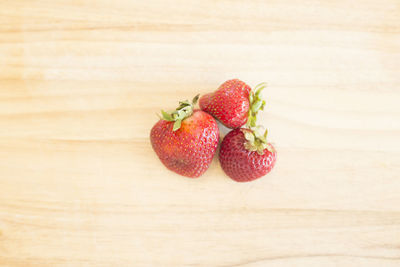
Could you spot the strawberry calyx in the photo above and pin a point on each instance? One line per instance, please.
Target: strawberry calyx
(256, 137)
(256, 104)
(182, 112)
(256, 140)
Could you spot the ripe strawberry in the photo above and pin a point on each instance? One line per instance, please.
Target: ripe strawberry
(186, 140)
(233, 103)
(245, 155)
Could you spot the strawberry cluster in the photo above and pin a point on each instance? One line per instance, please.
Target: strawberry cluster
(186, 139)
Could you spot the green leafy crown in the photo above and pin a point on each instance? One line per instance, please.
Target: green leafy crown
(255, 136)
(182, 112)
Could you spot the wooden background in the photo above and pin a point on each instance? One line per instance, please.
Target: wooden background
(80, 85)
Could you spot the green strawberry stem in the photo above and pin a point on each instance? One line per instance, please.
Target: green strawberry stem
(256, 140)
(256, 104)
(182, 112)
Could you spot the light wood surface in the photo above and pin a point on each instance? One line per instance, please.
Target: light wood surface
(81, 83)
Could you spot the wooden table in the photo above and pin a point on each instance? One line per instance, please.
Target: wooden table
(80, 85)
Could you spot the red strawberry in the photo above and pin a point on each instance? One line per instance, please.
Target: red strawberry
(233, 103)
(186, 139)
(245, 155)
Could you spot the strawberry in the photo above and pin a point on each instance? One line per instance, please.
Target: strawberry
(233, 103)
(245, 154)
(186, 139)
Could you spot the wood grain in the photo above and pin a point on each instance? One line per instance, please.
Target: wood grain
(81, 82)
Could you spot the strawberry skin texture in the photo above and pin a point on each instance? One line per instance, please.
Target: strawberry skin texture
(189, 150)
(240, 164)
(229, 104)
